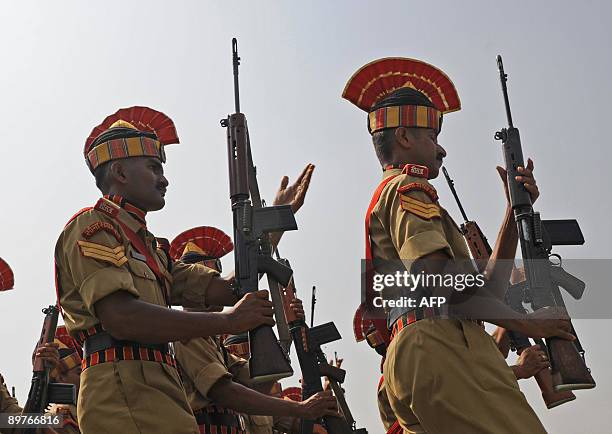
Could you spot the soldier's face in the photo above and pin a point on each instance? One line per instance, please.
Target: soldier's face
(145, 184)
(426, 151)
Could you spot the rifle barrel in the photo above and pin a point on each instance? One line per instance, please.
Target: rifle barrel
(504, 78)
(236, 63)
(313, 301)
(451, 185)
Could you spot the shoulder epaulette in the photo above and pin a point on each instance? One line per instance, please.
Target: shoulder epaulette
(428, 189)
(417, 207)
(101, 226)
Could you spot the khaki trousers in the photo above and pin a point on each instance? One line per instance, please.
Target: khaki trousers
(446, 376)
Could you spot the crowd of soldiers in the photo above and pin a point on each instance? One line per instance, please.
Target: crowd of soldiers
(116, 281)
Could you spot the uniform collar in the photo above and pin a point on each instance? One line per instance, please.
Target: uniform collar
(415, 170)
(130, 215)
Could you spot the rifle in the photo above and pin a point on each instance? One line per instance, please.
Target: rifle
(314, 365)
(252, 250)
(42, 392)
(481, 251)
(567, 361)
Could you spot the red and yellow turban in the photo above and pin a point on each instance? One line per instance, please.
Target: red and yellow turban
(402, 92)
(130, 132)
(206, 242)
(7, 279)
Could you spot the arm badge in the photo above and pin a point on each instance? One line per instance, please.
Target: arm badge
(115, 256)
(421, 209)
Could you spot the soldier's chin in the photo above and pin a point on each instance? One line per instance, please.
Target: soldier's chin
(434, 171)
(158, 204)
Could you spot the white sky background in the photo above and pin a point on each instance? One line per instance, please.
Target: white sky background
(67, 65)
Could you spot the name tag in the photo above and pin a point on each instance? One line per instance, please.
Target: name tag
(138, 256)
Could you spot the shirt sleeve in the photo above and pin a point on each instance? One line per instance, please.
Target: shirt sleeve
(202, 362)
(190, 284)
(97, 264)
(414, 223)
(239, 368)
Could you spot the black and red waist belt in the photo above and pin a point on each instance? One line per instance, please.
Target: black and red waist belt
(215, 420)
(100, 347)
(412, 316)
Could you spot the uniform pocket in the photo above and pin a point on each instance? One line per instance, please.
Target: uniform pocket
(140, 268)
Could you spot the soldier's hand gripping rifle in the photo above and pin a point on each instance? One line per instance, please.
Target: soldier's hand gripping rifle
(314, 365)
(481, 251)
(537, 238)
(42, 392)
(252, 250)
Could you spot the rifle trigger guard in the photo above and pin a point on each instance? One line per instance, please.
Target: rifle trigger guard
(558, 257)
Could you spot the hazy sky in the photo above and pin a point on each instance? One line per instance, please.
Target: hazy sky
(69, 64)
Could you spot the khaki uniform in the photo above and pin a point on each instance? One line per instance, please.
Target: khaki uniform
(384, 407)
(95, 258)
(256, 424)
(441, 375)
(8, 404)
(203, 362)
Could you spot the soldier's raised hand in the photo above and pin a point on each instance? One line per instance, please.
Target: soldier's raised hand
(526, 178)
(295, 193)
(546, 323)
(531, 361)
(318, 405)
(252, 310)
(298, 308)
(49, 353)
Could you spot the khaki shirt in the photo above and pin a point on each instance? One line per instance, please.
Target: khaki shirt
(397, 233)
(257, 424)
(90, 267)
(203, 362)
(129, 395)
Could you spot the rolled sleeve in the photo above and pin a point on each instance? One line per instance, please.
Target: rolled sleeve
(424, 243)
(190, 284)
(208, 376)
(202, 363)
(103, 282)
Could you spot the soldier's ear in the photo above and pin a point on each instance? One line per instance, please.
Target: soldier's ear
(117, 173)
(404, 138)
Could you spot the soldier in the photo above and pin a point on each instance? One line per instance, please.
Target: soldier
(115, 285)
(450, 362)
(207, 367)
(66, 370)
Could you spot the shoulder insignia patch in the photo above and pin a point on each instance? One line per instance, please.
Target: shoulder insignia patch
(96, 227)
(114, 256)
(428, 189)
(423, 210)
(107, 207)
(416, 170)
